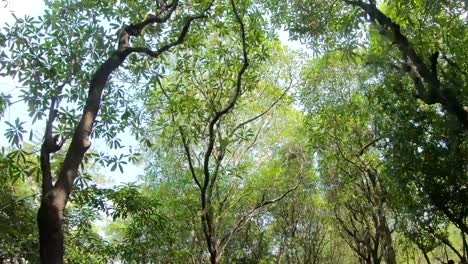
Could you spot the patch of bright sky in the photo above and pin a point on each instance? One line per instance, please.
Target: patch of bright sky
(20, 8)
(283, 36)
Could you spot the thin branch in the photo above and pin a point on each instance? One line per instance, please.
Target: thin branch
(447, 242)
(243, 220)
(134, 30)
(228, 108)
(369, 144)
(264, 112)
(454, 64)
(225, 199)
(51, 144)
(17, 201)
(347, 159)
(215, 173)
(17, 101)
(242, 153)
(254, 141)
(182, 134)
(178, 41)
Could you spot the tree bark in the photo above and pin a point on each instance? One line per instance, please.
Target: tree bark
(50, 222)
(387, 245)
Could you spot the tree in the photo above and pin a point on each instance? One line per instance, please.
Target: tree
(300, 229)
(210, 101)
(50, 78)
(427, 158)
(342, 25)
(344, 139)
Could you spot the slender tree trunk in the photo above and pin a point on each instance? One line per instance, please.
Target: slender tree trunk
(214, 254)
(465, 247)
(426, 257)
(387, 245)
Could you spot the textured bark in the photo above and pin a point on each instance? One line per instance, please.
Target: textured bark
(50, 221)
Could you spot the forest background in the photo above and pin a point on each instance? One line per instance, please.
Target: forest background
(233, 146)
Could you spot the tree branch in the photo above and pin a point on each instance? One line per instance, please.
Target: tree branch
(243, 220)
(178, 41)
(369, 144)
(435, 92)
(230, 105)
(17, 201)
(134, 30)
(266, 111)
(50, 144)
(182, 134)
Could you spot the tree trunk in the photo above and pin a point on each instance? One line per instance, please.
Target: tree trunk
(54, 198)
(465, 247)
(50, 222)
(389, 251)
(426, 257)
(214, 254)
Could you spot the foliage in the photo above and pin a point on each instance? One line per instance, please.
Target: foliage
(17, 222)
(352, 151)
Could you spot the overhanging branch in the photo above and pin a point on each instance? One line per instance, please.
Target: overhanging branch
(420, 72)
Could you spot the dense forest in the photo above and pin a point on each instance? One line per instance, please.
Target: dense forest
(346, 144)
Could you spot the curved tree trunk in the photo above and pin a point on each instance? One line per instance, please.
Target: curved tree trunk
(54, 199)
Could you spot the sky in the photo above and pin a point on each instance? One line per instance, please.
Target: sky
(20, 8)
